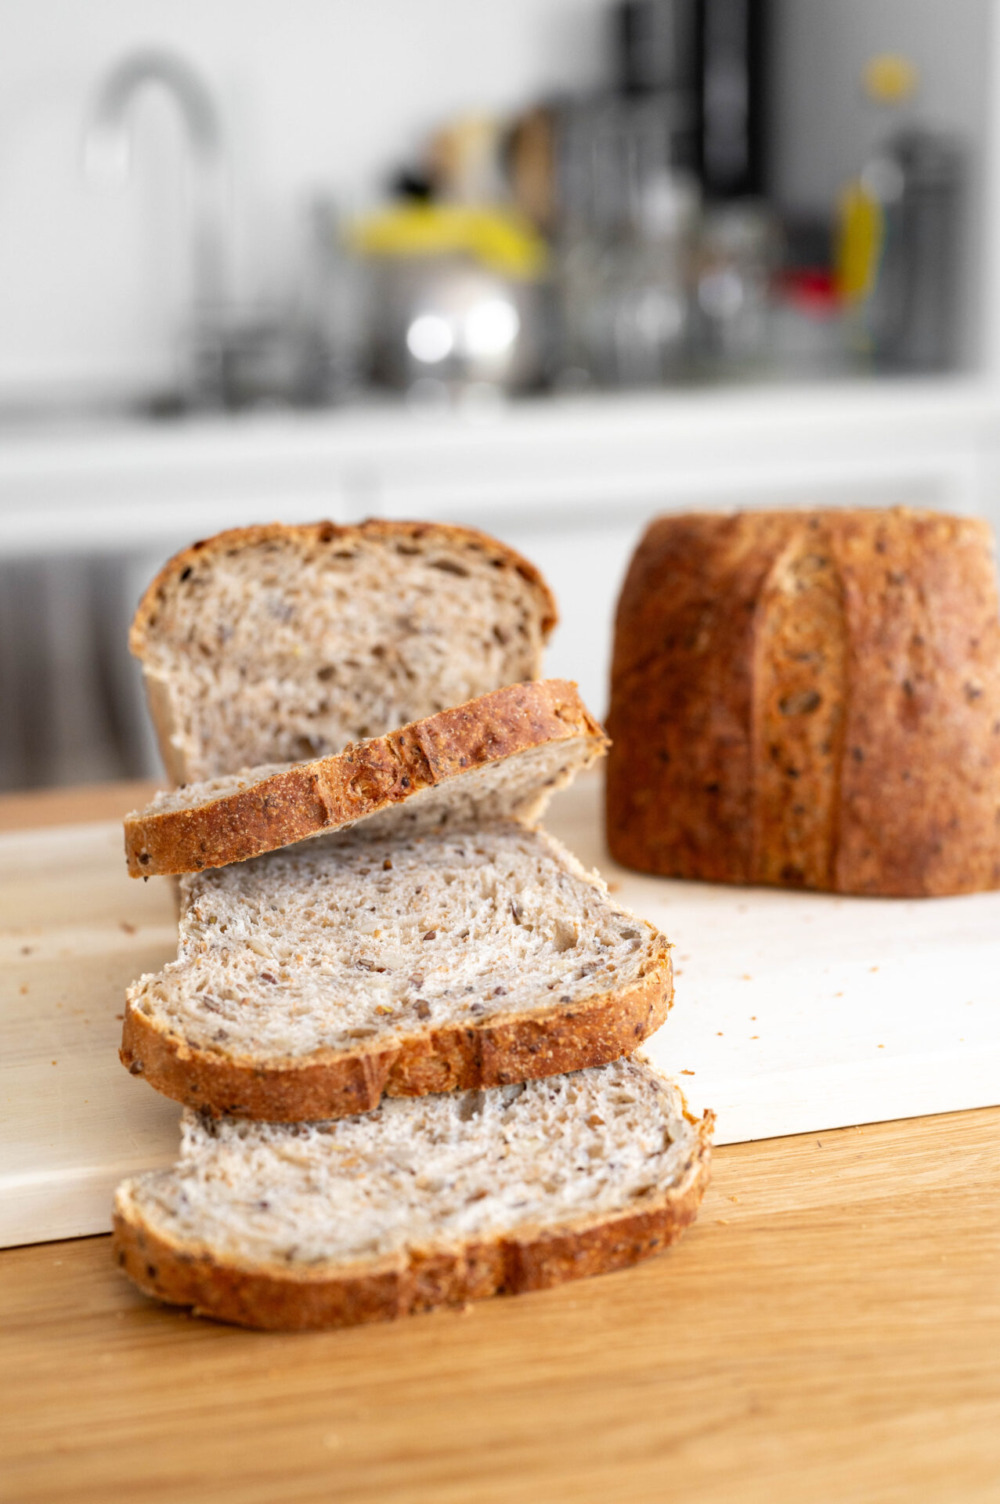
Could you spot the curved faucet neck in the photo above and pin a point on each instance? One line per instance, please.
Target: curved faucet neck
(108, 152)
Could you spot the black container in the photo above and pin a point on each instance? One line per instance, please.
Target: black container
(714, 54)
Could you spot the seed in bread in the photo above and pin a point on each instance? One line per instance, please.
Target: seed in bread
(312, 980)
(419, 1204)
(277, 644)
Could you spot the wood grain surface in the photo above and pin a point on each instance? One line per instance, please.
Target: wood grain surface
(65, 806)
(828, 1331)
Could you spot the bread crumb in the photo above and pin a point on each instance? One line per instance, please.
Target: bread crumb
(881, 1047)
(718, 1034)
(734, 1198)
(746, 977)
(687, 1073)
(722, 1221)
(25, 950)
(754, 1036)
(119, 1016)
(614, 887)
(24, 989)
(128, 928)
(873, 968)
(55, 1062)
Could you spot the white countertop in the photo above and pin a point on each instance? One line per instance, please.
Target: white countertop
(115, 483)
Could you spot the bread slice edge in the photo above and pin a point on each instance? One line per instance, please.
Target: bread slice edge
(331, 793)
(271, 1297)
(494, 1051)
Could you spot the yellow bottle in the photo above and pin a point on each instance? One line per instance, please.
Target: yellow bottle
(890, 80)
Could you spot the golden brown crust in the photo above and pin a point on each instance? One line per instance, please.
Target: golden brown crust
(797, 730)
(906, 785)
(679, 769)
(278, 1299)
(310, 533)
(334, 1084)
(920, 778)
(332, 792)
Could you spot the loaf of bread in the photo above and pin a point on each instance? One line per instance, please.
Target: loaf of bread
(277, 643)
(419, 1204)
(424, 942)
(503, 755)
(809, 699)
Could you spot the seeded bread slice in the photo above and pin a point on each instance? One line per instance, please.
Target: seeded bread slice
(275, 644)
(504, 754)
(418, 1204)
(312, 980)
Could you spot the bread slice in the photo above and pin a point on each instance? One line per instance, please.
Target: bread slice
(312, 980)
(276, 644)
(418, 1204)
(504, 754)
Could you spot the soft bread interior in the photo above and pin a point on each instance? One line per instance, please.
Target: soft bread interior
(299, 644)
(342, 942)
(421, 1173)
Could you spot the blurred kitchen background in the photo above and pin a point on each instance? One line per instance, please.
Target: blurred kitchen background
(546, 267)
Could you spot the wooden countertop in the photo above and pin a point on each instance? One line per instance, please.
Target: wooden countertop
(828, 1331)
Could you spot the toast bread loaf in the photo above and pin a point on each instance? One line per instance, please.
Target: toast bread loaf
(504, 754)
(418, 1204)
(809, 699)
(276, 644)
(312, 980)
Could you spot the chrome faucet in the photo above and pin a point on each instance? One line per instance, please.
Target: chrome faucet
(107, 152)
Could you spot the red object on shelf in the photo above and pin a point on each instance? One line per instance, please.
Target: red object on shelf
(811, 289)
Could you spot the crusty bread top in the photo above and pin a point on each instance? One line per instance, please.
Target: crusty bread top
(502, 755)
(276, 643)
(440, 1172)
(811, 699)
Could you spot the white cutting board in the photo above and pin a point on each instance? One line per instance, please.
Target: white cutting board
(794, 1012)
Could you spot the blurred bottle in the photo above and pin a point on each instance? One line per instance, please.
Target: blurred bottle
(625, 206)
(628, 302)
(709, 57)
(737, 258)
(899, 240)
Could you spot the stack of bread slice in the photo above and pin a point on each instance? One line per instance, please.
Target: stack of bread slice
(401, 1017)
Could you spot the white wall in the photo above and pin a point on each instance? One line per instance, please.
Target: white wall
(316, 93)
